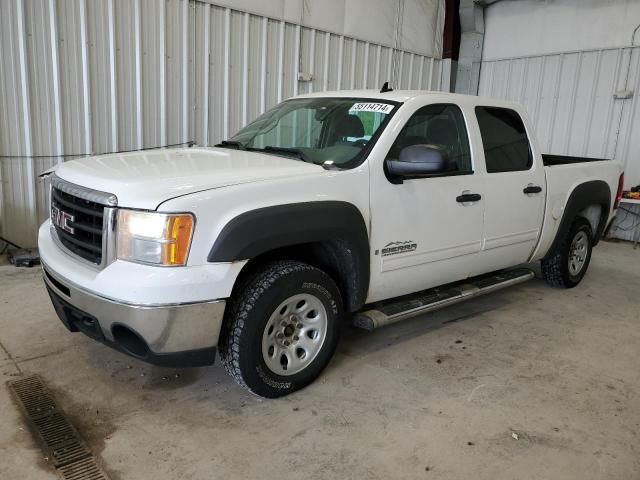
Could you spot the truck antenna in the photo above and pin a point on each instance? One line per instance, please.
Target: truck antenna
(385, 88)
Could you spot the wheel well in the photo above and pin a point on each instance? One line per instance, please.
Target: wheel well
(584, 201)
(593, 214)
(334, 257)
(597, 215)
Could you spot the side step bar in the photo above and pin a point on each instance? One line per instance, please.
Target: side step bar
(436, 298)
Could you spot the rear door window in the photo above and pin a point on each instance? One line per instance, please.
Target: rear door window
(504, 139)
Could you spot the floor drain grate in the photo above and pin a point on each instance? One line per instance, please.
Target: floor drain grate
(86, 469)
(60, 440)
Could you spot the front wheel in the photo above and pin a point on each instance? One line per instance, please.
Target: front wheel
(568, 264)
(282, 329)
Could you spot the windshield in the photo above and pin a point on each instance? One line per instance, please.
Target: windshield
(317, 130)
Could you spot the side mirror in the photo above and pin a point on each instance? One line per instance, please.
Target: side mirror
(417, 161)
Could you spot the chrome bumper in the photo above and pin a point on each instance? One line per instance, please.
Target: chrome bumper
(172, 335)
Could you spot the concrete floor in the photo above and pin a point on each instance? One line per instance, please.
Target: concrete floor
(437, 397)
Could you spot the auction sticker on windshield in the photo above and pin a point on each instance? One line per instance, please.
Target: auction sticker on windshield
(371, 107)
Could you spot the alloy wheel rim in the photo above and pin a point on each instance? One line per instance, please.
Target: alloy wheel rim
(294, 334)
(578, 253)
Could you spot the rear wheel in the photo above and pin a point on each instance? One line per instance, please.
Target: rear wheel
(568, 264)
(281, 329)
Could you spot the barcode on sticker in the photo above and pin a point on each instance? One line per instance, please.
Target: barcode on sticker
(371, 107)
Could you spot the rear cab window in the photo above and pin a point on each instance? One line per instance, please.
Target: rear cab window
(504, 140)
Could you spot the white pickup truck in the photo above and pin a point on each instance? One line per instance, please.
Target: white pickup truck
(362, 205)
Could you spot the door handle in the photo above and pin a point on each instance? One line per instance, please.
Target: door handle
(532, 189)
(468, 197)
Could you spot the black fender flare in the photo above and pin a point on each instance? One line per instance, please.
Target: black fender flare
(263, 230)
(594, 192)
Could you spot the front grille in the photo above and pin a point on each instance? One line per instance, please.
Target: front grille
(80, 224)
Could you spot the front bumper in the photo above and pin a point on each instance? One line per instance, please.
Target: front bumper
(178, 335)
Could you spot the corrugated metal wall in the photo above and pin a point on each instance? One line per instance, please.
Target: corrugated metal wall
(246, 63)
(99, 76)
(85, 77)
(571, 100)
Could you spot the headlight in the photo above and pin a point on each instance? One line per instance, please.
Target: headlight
(155, 238)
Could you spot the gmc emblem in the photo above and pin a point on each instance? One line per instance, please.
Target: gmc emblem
(61, 219)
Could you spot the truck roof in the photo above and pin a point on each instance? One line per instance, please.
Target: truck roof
(405, 95)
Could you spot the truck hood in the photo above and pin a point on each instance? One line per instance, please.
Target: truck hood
(146, 179)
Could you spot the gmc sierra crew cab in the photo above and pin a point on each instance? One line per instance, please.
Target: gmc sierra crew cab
(361, 205)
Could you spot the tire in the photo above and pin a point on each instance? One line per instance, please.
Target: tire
(562, 268)
(281, 329)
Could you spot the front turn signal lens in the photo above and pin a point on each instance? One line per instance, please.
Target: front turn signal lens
(176, 250)
(154, 238)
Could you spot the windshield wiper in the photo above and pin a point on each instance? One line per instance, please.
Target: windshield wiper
(289, 151)
(269, 148)
(231, 144)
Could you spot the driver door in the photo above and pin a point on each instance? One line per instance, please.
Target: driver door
(423, 234)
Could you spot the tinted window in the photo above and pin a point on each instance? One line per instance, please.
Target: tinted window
(505, 141)
(441, 125)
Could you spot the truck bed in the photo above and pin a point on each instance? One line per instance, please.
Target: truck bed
(552, 160)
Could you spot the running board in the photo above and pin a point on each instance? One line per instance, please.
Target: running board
(436, 298)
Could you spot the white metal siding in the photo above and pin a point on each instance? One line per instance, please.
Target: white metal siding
(542, 27)
(570, 99)
(80, 77)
